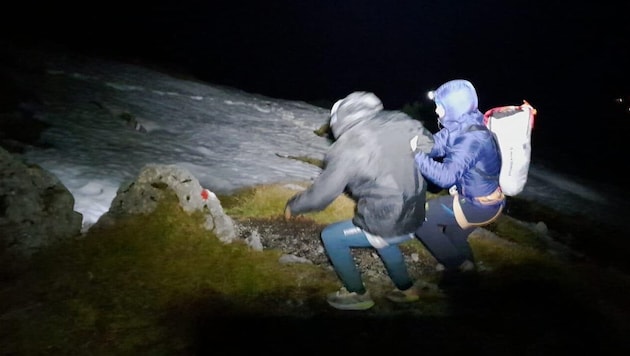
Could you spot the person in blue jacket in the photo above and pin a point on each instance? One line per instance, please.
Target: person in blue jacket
(370, 161)
(465, 158)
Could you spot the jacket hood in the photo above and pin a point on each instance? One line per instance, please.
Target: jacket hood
(457, 97)
(352, 109)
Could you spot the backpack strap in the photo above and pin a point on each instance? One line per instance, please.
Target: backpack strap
(494, 142)
(476, 128)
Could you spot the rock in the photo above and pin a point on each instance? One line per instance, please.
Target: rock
(152, 184)
(36, 209)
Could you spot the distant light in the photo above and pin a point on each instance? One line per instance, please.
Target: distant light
(431, 95)
(619, 100)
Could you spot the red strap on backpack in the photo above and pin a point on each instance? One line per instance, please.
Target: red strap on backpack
(500, 109)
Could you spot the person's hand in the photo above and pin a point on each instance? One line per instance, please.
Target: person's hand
(287, 212)
(413, 143)
(421, 143)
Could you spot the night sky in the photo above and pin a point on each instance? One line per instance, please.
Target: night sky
(570, 60)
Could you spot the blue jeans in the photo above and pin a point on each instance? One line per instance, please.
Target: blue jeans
(340, 237)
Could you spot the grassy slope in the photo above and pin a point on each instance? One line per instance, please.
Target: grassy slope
(162, 285)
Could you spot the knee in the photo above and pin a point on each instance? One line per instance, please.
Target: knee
(333, 231)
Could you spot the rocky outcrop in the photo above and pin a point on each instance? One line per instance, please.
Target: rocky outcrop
(154, 181)
(36, 209)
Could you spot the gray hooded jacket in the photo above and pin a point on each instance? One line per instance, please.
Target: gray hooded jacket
(371, 161)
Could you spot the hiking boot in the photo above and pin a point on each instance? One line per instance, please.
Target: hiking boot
(345, 300)
(467, 266)
(403, 296)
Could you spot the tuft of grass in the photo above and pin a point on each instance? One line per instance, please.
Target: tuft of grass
(268, 201)
(500, 253)
(514, 230)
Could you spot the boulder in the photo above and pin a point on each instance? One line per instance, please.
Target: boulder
(36, 209)
(154, 181)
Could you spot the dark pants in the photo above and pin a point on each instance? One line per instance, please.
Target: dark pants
(443, 237)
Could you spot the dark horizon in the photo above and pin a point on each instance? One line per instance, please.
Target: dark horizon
(400, 50)
(570, 62)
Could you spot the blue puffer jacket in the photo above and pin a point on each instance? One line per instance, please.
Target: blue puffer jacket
(465, 153)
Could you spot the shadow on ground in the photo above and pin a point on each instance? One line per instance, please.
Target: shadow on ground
(514, 317)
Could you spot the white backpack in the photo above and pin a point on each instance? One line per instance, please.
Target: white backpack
(512, 126)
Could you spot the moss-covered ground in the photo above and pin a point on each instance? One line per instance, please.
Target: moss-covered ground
(160, 284)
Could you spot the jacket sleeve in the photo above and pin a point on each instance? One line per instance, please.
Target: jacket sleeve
(459, 158)
(327, 186)
(439, 144)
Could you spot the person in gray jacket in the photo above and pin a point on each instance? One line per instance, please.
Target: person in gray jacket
(370, 161)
